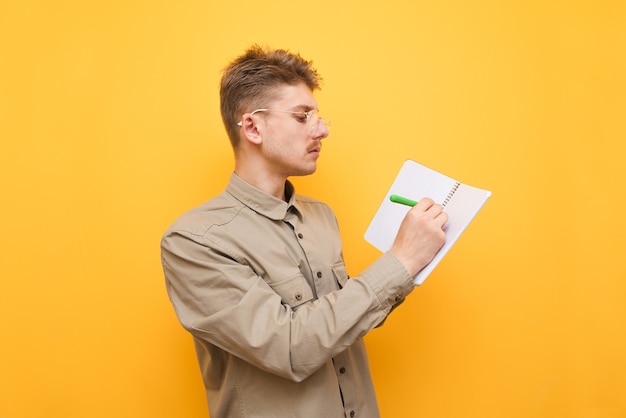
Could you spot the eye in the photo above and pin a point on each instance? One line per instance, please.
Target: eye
(301, 117)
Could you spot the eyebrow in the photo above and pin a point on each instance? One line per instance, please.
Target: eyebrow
(302, 108)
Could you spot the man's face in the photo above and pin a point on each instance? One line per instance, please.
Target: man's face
(291, 145)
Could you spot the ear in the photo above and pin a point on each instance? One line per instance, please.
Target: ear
(251, 131)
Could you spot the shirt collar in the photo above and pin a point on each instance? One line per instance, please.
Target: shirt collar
(260, 201)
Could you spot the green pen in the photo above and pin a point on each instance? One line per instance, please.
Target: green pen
(402, 200)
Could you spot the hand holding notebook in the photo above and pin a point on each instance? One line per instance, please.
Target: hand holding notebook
(414, 182)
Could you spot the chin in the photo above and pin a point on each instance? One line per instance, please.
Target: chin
(305, 171)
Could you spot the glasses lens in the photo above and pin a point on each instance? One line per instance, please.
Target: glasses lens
(313, 122)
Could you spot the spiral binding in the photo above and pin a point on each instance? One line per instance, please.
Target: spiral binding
(452, 191)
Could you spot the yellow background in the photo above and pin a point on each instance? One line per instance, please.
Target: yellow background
(110, 129)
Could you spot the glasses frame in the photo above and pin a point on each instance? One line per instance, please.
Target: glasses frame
(312, 129)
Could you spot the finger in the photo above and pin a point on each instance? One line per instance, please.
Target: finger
(441, 218)
(424, 204)
(434, 210)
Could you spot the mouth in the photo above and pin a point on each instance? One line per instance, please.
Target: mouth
(315, 150)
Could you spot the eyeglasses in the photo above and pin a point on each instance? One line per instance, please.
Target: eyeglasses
(312, 119)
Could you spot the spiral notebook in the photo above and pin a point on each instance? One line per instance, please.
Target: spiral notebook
(415, 181)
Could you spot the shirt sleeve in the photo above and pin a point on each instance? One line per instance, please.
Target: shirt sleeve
(222, 301)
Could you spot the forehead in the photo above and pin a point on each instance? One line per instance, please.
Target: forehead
(293, 97)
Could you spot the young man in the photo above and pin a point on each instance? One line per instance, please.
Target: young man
(256, 274)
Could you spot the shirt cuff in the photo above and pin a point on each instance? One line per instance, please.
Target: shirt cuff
(389, 279)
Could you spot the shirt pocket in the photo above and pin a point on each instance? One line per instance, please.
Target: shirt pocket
(294, 291)
(341, 274)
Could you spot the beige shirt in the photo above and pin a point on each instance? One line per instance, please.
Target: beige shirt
(261, 285)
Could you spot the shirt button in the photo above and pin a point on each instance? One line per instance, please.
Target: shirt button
(352, 414)
(319, 274)
(398, 299)
(342, 370)
(298, 296)
(300, 236)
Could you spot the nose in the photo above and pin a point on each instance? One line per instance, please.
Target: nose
(321, 130)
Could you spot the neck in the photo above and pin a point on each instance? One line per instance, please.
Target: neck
(262, 179)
